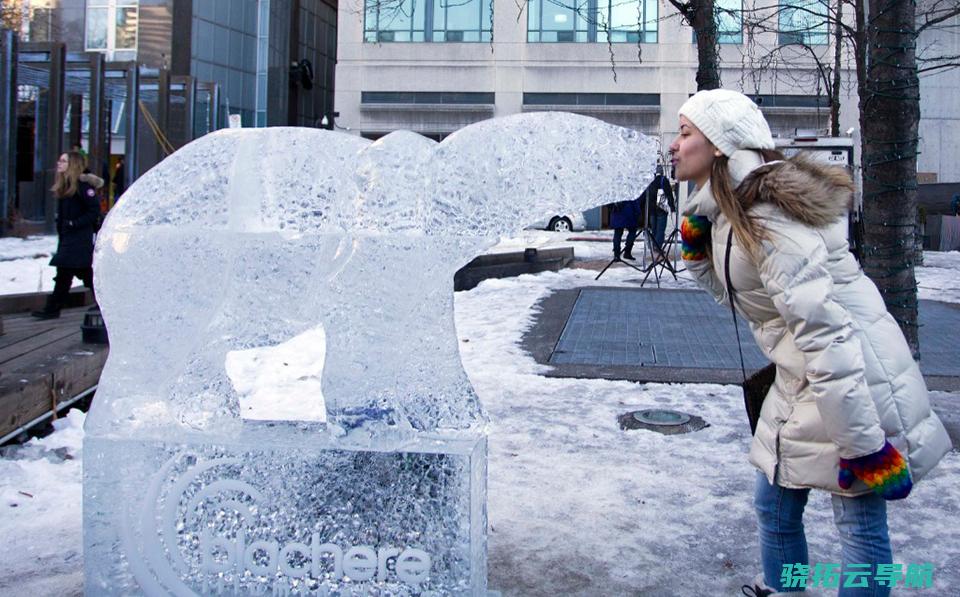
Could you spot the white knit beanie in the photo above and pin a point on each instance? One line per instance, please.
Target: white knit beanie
(729, 119)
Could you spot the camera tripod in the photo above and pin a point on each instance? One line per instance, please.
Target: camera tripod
(660, 256)
(617, 259)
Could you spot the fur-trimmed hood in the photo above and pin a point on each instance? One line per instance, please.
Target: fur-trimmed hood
(810, 192)
(813, 193)
(92, 179)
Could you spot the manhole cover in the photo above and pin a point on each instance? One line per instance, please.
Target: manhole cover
(666, 418)
(667, 422)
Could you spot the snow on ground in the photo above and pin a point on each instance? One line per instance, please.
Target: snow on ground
(576, 506)
(579, 507)
(939, 277)
(23, 264)
(41, 495)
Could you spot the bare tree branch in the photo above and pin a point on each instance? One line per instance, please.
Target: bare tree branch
(936, 13)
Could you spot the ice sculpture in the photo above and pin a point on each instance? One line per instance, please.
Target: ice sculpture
(248, 244)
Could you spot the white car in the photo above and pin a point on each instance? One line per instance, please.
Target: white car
(561, 223)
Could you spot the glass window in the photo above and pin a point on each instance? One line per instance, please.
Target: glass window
(729, 15)
(428, 20)
(591, 21)
(729, 18)
(804, 22)
(41, 25)
(111, 26)
(558, 17)
(96, 28)
(126, 33)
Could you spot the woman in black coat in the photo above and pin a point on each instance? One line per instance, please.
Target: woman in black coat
(78, 213)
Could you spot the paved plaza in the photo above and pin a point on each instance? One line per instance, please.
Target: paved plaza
(646, 334)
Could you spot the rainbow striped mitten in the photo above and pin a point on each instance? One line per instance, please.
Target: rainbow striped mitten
(695, 233)
(884, 472)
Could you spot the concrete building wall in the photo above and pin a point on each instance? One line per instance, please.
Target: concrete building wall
(939, 106)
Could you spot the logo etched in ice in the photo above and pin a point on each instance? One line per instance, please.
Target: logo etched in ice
(162, 550)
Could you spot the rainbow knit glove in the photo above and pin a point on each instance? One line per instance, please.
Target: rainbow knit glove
(884, 472)
(695, 233)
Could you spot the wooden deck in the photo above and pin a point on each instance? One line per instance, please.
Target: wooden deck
(44, 364)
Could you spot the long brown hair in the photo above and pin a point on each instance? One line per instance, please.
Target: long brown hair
(736, 206)
(65, 184)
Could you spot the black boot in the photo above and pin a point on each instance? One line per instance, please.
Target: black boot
(759, 589)
(629, 256)
(50, 311)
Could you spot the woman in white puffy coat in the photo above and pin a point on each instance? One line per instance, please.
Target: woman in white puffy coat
(848, 412)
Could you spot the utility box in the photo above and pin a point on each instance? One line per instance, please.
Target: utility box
(837, 151)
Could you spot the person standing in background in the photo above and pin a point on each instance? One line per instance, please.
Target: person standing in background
(658, 201)
(78, 213)
(119, 180)
(624, 214)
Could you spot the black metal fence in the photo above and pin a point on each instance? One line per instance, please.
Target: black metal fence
(125, 117)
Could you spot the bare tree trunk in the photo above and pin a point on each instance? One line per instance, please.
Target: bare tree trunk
(889, 119)
(699, 14)
(835, 88)
(860, 53)
(708, 54)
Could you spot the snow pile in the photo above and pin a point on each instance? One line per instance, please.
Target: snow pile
(282, 382)
(24, 264)
(40, 492)
(937, 278)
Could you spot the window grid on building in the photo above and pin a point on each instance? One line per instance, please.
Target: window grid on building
(427, 97)
(428, 21)
(224, 49)
(803, 22)
(591, 99)
(40, 25)
(592, 21)
(729, 18)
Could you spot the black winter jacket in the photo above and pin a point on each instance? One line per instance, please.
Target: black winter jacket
(649, 196)
(77, 217)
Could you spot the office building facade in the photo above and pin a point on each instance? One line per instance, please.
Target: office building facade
(274, 60)
(434, 66)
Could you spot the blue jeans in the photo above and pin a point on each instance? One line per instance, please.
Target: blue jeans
(658, 224)
(618, 235)
(861, 523)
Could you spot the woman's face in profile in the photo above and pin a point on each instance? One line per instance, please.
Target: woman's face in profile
(692, 154)
(62, 163)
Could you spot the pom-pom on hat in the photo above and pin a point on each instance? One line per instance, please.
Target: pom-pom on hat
(729, 119)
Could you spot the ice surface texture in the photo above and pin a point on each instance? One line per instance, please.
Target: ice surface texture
(249, 238)
(247, 246)
(247, 520)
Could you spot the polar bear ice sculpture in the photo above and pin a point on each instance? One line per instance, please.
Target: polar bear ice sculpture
(253, 238)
